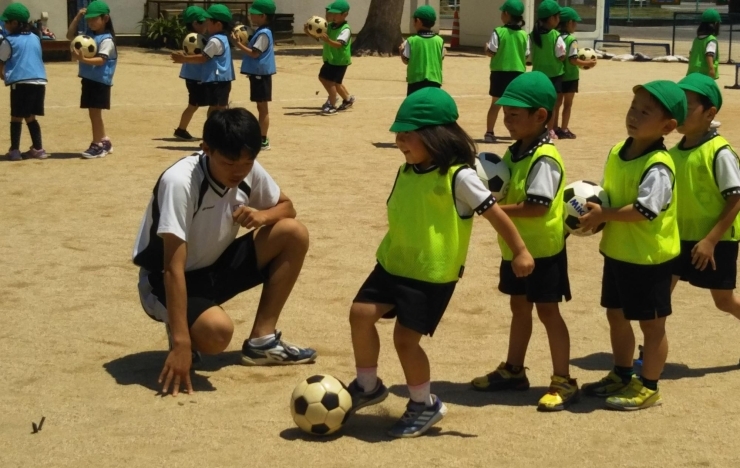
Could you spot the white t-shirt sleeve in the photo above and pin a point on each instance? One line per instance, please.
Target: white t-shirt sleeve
(406, 50)
(176, 207)
(107, 49)
(493, 43)
(727, 172)
(711, 48)
(262, 43)
(655, 192)
(214, 47)
(265, 192)
(543, 181)
(471, 196)
(573, 52)
(528, 50)
(560, 47)
(5, 51)
(344, 36)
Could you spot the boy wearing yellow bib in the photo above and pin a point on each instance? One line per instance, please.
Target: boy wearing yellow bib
(639, 243)
(535, 204)
(708, 183)
(423, 53)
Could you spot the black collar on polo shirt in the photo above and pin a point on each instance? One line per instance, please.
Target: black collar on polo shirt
(426, 33)
(215, 185)
(657, 146)
(711, 134)
(543, 139)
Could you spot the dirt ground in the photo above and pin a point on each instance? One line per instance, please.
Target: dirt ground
(78, 349)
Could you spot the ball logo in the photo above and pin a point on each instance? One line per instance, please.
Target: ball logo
(580, 209)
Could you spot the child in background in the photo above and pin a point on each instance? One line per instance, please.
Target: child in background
(535, 205)
(704, 55)
(96, 73)
(194, 18)
(422, 256)
(259, 62)
(548, 50)
(337, 57)
(423, 53)
(508, 49)
(639, 243)
(22, 68)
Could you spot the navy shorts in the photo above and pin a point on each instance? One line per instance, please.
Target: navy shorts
(725, 258)
(643, 292)
(548, 282)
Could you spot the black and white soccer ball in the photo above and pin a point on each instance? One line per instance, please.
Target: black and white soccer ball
(494, 174)
(193, 44)
(588, 54)
(320, 405)
(85, 44)
(241, 33)
(575, 197)
(316, 26)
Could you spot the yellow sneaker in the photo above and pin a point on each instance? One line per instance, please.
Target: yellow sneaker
(636, 396)
(562, 393)
(610, 385)
(501, 379)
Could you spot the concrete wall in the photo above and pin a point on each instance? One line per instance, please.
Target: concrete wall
(57, 10)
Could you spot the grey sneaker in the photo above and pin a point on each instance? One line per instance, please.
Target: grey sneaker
(418, 418)
(489, 137)
(277, 352)
(361, 398)
(346, 104)
(34, 153)
(15, 155)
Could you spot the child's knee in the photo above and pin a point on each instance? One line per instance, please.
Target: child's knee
(405, 339)
(548, 312)
(361, 315)
(725, 302)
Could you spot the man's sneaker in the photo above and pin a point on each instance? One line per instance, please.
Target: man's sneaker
(635, 396)
(266, 144)
(361, 398)
(276, 352)
(184, 134)
(329, 110)
(610, 385)
(501, 379)
(562, 393)
(94, 151)
(346, 104)
(34, 153)
(715, 124)
(418, 418)
(489, 137)
(568, 135)
(15, 155)
(107, 146)
(553, 135)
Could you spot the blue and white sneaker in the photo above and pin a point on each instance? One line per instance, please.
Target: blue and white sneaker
(276, 353)
(418, 418)
(94, 151)
(107, 146)
(361, 398)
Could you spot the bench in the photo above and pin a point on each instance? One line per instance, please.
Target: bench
(55, 51)
(632, 45)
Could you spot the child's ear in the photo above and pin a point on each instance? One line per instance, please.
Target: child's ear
(711, 113)
(670, 126)
(541, 115)
(206, 149)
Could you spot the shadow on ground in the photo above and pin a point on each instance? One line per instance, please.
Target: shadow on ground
(672, 371)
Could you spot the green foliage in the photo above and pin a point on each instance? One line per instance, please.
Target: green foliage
(164, 32)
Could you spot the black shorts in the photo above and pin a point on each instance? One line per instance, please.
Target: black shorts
(418, 305)
(234, 272)
(570, 86)
(725, 257)
(333, 73)
(260, 88)
(95, 95)
(547, 283)
(643, 292)
(557, 82)
(499, 82)
(26, 100)
(196, 93)
(217, 93)
(414, 87)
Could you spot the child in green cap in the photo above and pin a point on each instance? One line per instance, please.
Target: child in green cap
(508, 49)
(424, 52)
(639, 243)
(194, 18)
(548, 50)
(708, 184)
(704, 54)
(534, 203)
(422, 256)
(337, 57)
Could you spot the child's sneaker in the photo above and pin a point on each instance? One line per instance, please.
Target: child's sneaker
(184, 135)
(361, 398)
(610, 385)
(266, 144)
(329, 110)
(15, 155)
(560, 133)
(501, 379)
(553, 135)
(562, 393)
(276, 352)
(489, 137)
(635, 396)
(568, 135)
(34, 153)
(94, 151)
(107, 146)
(418, 418)
(346, 104)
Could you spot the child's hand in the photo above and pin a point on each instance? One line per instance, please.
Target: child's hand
(81, 13)
(248, 217)
(324, 37)
(522, 264)
(593, 218)
(76, 55)
(703, 254)
(177, 57)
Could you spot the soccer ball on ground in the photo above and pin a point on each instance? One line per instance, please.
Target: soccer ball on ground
(316, 26)
(320, 405)
(85, 44)
(241, 33)
(494, 174)
(575, 197)
(587, 53)
(193, 44)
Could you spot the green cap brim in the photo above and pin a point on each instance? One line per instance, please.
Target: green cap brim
(512, 102)
(253, 11)
(333, 10)
(679, 119)
(398, 127)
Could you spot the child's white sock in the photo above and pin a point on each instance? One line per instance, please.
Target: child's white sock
(367, 378)
(262, 340)
(421, 393)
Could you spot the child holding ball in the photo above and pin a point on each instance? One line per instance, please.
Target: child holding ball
(194, 18)
(421, 258)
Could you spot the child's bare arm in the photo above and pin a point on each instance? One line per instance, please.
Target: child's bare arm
(523, 263)
(72, 31)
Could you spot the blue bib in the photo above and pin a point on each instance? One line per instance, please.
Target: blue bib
(265, 63)
(191, 71)
(101, 73)
(219, 67)
(25, 60)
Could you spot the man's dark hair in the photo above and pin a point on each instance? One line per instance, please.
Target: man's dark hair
(232, 130)
(448, 145)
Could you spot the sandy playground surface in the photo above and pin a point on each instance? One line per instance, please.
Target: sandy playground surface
(78, 349)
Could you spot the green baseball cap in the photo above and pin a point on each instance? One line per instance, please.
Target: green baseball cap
(531, 90)
(339, 6)
(16, 12)
(426, 107)
(426, 13)
(513, 7)
(547, 9)
(262, 7)
(704, 85)
(711, 16)
(193, 13)
(97, 8)
(569, 14)
(219, 12)
(670, 95)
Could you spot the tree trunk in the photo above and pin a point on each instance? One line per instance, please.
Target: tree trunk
(381, 34)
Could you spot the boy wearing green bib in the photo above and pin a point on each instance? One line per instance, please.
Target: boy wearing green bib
(704, 55)
(639, 243)
(423, 53)
(708, 183)
(337, 57)
(548, 50)
(534, 202)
